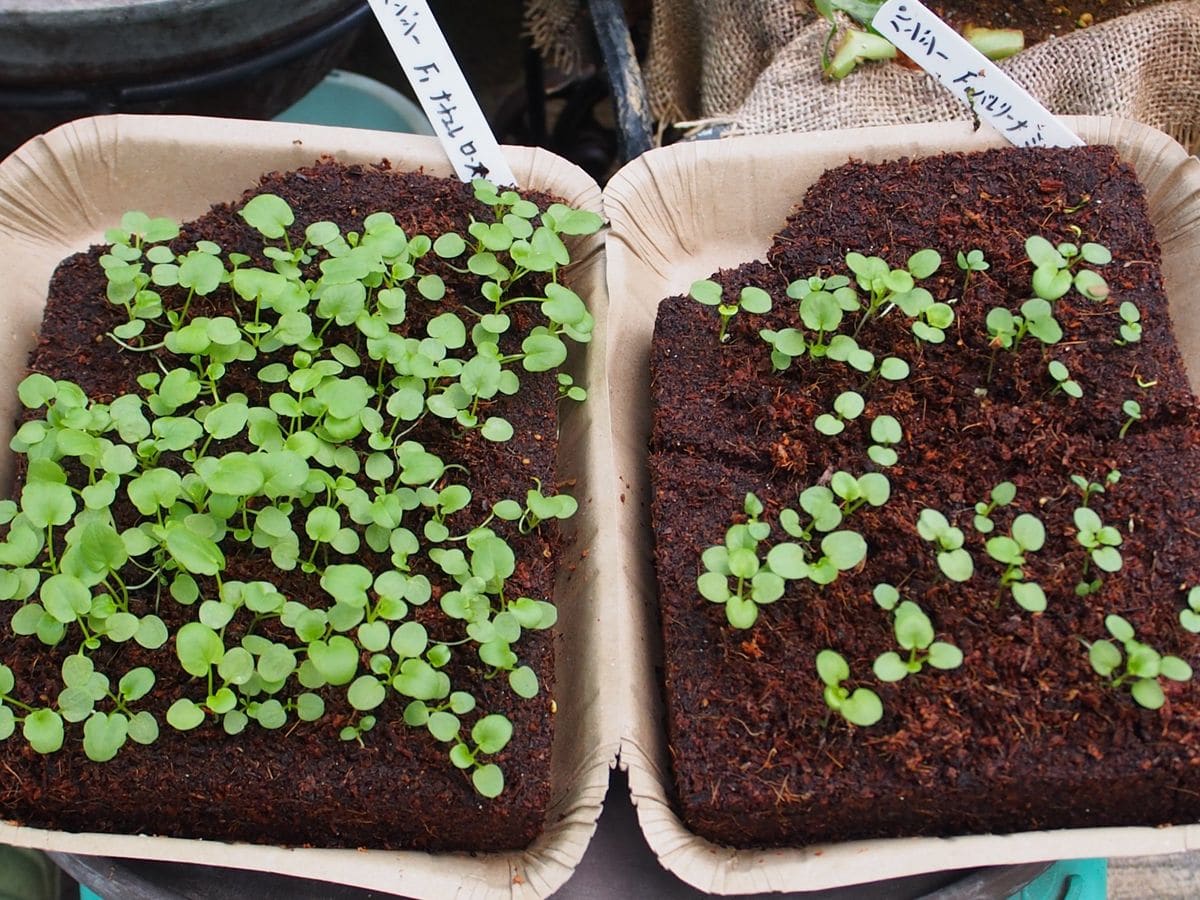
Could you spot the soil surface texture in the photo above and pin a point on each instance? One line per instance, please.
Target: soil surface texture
(1024, 735)
(1039, 19)
(302, 785)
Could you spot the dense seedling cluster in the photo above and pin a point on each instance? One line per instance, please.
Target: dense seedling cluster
(311, 464)
(873, 289)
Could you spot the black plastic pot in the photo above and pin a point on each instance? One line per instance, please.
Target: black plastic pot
(239, 58)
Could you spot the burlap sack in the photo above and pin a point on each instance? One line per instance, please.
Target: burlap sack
(755, 63)
(561, 31)
(1143, 66)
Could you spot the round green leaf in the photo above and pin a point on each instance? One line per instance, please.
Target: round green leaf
(1148, 693)
(268, 214)
(845, 549)
(1107, 559)
(309, 707)
(198, 648)
(862, 708)
(1176, 669)
(336, 660)
(706, 292)
(956, 565)
(488, 780)
(1029, 596)
(43, 729)
(143, 728)
(832, 667)
(442, 725)
(944, 656)
(366, 693)
(890, 667)
(523, 680)
(104, 735)
(136, 683)
(492, 733)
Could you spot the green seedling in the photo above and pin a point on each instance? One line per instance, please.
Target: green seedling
(738, 577)
(885, 434)
(843, 348)
(823, 508)
(971, 261)
(887, 287)
(1101, 542)
(786, 345)
(1133, 413)
(823, 304)
(751, 299)
(1189, 617)
(914, 633)
(953, 560)
(1143, 665)
(1062, 379)
(1036, 318)
(847, 406)
(1001, 495)
(538, 508)
(840, 551)
(862, 707)
(1088, 490)
(1027, 535)
(897, 287)
(1131, 324)
(1053, 265)
(569, 390)
(871, 487)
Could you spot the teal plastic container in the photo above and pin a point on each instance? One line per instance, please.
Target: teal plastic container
(351, 100)
(1072, 879)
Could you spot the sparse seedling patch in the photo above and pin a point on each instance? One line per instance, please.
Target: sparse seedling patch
(1027, 535)
(861, 707)
(954, 561)
(1055, 268)
(1133, 413)
(1062, 379)
(1189, 617)
(1101, 542)
(1131, 324)
(847, 406)
(914, 633)
(1141, 668)
(1001, 495)
(751, 299)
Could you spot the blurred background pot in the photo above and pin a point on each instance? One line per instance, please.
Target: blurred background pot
(64, 59)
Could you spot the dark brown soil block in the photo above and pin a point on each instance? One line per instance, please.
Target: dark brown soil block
(1039, 19)
(1024, 735)
(302, 785)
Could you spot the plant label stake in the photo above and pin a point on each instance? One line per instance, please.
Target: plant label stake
(989, 93)
(438, 81)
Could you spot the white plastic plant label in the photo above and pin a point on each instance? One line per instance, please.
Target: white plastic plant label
(977, 81)
(442, 90)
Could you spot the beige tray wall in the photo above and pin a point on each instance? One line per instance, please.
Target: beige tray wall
(679, 214)
(60, 192)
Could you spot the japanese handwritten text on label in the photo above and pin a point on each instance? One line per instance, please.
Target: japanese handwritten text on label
(442, 90)
(970, 76)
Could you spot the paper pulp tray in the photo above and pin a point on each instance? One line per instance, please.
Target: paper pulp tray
(681, 213)
(57, 196)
